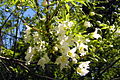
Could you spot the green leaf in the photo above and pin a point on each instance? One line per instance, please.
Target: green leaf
(67, 17)
(81, 1)
(67, 7)
(68, 0)
(72, 1)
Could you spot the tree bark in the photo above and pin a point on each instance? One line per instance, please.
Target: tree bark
(1, 42)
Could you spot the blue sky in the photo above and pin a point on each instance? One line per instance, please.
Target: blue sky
(28, 13)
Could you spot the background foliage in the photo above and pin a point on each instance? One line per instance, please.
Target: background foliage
(104, 53)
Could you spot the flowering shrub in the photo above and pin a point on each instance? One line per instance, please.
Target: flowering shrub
(66, 39)
(70, 45)
(63, 39)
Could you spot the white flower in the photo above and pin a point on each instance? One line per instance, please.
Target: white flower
(27, 31)
(79, 38)
(95, 34)
(36, 34)
(44, 60)
(55, 48)
(82, 71)
(118, 31)
(82, 47)
(66, 40)
(84, 65)
(69, 39)
(30, 49)
(37, 38)
(82, 68)
(29, 54)
(83, 53)
(43, 19)
(27, 38)
(63, 61)
(98, 22)
(28, 27)
(61, 38)
(87, 40)
(71, 53)
(92, 13)
(70, 24)
(87, 24)
(64, 49)
(74, 60)
(27, 35)
(60, 29)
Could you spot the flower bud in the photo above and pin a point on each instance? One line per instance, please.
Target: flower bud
(55, 48)
(98, 22)
(92, 13)
(7, 10)
(87, 24)
(19, 7)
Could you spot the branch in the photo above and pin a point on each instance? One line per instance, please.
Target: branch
(116, 78)
(8, 59)
(1, 42)
(7, 20)
(32, 26)
(11, 35)
(109, 66)
(37, 6)
(5, 66)
(15, 41)
(22, 64)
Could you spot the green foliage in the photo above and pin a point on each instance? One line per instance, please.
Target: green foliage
(103, 46)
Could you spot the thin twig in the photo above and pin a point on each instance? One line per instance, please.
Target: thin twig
(16, 34)
(32, 26)
(15, 60)
(22, 64)
(7, 20)
(109, 66)
(37, 6)
(11, 35)
(104, 70)
(6, 67)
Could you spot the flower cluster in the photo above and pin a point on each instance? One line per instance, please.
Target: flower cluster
(71, 45)
(37, 45)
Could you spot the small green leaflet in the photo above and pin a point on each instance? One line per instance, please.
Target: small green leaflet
(80, 1)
